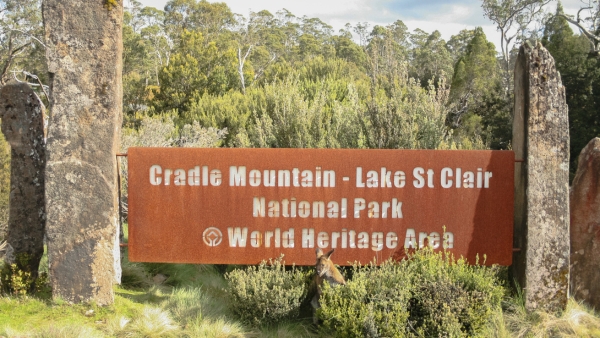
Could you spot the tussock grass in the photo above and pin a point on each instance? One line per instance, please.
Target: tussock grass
(211, 279)
(219, 328)
(69, 331)
(577, 320)
(177, 274)
(288, 330)
(115, 326)
(185, 304)
(152, 322)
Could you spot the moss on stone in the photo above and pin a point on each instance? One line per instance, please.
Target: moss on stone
(109, 4)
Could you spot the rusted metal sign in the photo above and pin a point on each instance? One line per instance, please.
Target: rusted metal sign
(240, 206)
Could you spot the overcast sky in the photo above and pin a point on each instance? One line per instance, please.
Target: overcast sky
(446, 16)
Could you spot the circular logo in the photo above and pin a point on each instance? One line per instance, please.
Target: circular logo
(212, 236)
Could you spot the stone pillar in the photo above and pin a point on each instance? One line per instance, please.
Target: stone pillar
(541, 139)
(585, 226)
(22, 115)
(84, 54)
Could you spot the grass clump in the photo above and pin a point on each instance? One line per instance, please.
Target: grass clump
(426, 295)
(267, 293)
(576, 321)
(153, 322)
(218, 328)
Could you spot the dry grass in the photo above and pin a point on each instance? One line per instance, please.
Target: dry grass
(576, 321)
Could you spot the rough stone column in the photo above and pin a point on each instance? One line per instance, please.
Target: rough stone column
(541, 138)
(22, 115)
(585, 226)
(84, 54)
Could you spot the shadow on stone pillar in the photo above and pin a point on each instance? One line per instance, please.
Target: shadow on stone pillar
(22, 115)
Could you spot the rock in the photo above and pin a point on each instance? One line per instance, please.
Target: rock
(84, 55)
(159, 279)
(541, 139)
(22, 115)
(585, 226)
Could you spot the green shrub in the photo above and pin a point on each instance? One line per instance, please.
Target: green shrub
(372, 304)
(426, 295)
(267, 293)
(438, 309)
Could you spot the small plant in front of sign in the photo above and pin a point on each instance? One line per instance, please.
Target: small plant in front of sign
(267, 293)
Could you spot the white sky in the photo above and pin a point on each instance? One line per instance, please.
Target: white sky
(447, 16)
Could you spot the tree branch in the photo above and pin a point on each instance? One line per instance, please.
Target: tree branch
(29, 35)
(584, 30)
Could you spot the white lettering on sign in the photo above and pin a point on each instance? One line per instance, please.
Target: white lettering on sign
(292, 207)
(412, 241)
(321, 209)
(373, 208)
(349, 239)
(239, 237)
(374, 180)
(304, 209)
(181, 177)
(240, 176)
(419, 181)
(281, 177)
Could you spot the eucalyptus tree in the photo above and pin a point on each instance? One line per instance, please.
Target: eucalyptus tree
(457, 45)
(476, 96)
(347, 49)
(512, 19)
(587, 21)
(146, 50)
(315, 39)
(579, 68)
(21, 42)
(387, 55)
(430, 59)
(258, 39)
(211, 19)
(159, 44)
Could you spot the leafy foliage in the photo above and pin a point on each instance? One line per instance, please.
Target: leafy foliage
(276, 80)
(21, 35)
(373, 303)
(267, 293)
(428, 294)
(18, 282)
(478, 106)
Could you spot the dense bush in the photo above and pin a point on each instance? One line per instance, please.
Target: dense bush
(426, 295)
(374, 303)
(267, 293)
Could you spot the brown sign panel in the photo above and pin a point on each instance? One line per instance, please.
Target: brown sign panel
(240, 206)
